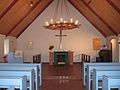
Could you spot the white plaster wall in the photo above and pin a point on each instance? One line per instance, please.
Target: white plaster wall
(79, 40)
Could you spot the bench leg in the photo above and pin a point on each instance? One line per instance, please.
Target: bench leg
(23, 85)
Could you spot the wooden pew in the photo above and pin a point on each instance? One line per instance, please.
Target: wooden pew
(84, 68)
(19, 82)
(20, 73)
(97, 75)
(19, 66)
(110, 82)
(98, 67)
(40, 73)
(11, 88)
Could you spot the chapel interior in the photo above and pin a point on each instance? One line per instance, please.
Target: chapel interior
(58, 42)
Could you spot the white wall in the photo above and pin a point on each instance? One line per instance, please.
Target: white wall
(79, 40)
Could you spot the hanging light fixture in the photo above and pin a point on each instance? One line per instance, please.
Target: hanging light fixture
(61, 24)
(31, 3)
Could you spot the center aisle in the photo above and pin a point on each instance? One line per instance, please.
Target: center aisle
(62, 77)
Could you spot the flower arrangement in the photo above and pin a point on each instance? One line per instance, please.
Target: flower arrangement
(51, 47)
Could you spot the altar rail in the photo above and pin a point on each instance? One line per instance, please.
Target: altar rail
(84, 68)
(85, 58)
(20, 82)
(98, 67)
(19, 73)
(97, 76)
(36, 67)
(110, 82)
(37, 58)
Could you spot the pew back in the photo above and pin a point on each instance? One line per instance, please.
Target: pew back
(97, 75)
(98, 67)
(110, 82)
(84, 68)
(18, 66)
(20, 73)
(18, 82)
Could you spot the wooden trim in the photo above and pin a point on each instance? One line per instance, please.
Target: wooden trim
(33, 19)
(8, 8)
(114, 6)
(88, 19)
(100, 18)
(22, 18)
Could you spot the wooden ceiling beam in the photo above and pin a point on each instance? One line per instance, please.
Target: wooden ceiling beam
(114, 6)
(23, 18)
(99, 17)
(8, 8)
(91, 17)
(38, 6)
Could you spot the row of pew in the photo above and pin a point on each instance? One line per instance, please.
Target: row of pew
(102, 75)
(20, 75)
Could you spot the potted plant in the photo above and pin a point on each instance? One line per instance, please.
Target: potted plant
(51, 47)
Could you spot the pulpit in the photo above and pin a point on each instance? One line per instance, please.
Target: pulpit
(61, 57)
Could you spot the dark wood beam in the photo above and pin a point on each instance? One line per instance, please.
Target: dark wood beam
(99, 17)
(38, 5)
(8, 8)
(23, 18)
(114, 6)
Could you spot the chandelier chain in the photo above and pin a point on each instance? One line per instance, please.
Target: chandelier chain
(67, 10)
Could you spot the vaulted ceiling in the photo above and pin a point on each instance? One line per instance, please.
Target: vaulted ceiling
(17, 15)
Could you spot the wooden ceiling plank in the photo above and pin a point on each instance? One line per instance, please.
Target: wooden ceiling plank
(8, 8)
(87, 14)
(23, 17)
(114, 6)
(99, 17)
(49, 2)
(107, 13)
(13, 15)
(87, 18)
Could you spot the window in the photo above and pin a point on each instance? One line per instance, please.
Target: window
(6, 46)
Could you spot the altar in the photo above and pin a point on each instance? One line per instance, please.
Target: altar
(61, 57)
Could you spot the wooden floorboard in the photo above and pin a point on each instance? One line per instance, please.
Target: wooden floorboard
(62, 77)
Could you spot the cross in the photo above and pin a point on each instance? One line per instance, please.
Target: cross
(60, 35)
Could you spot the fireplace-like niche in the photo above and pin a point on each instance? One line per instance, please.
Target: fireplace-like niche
(61, 57)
